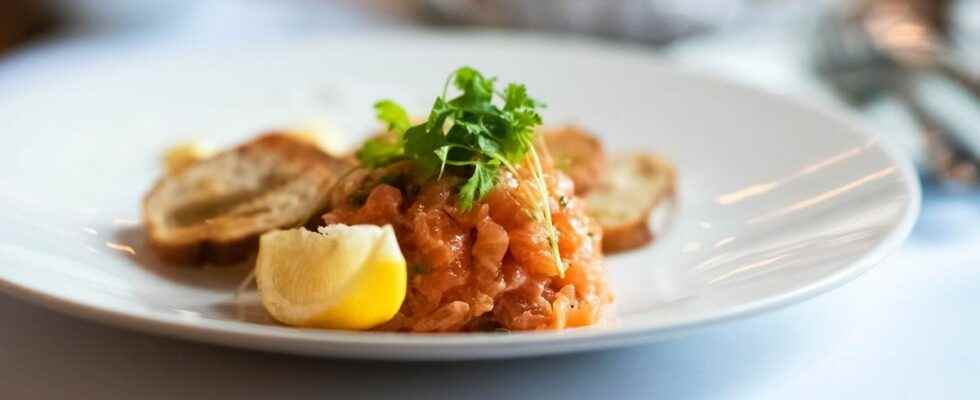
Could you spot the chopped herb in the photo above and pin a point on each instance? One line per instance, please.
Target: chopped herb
(418, 269)
(472, 133)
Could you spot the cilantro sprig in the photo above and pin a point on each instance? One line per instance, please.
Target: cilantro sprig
(482, 130)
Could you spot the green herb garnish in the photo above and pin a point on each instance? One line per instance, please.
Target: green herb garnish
(388, 148)
(392, 114)
(472, 132)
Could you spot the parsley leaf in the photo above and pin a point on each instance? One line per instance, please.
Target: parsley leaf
(387, 148)
(379, 152)
(392, 114)
(479, 185)
(477, 90)
(422, 145)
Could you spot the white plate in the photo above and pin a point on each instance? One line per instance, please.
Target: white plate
(779, 201)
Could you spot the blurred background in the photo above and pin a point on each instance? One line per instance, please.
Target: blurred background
(910, 66)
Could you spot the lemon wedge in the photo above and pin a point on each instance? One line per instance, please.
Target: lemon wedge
(344, 277)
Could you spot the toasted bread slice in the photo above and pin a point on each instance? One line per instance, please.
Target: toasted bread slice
(634, 201)
(214, 210)
(578, 154)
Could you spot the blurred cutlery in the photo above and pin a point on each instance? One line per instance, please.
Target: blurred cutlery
(899, 47)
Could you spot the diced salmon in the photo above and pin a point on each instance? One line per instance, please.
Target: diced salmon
(490, 266)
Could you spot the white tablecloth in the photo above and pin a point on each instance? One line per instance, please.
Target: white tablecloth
(910, 328)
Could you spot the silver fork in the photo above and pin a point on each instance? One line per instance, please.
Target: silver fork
(890, 47)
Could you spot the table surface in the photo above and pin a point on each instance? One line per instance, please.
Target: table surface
(906, 329)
